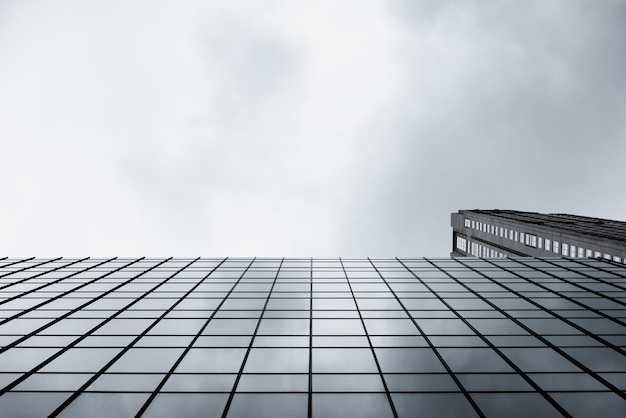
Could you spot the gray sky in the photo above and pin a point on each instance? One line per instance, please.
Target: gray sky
(300, 128)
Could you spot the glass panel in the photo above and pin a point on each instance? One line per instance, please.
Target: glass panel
(199, 383)
(337, 327)
(343, 360)
(24, 359)
(605, 404)
(81, 360)
(284, 327)
(53, 382)
(273, 383)
(269, 406)
(515, 405)
(208, 360)
(468, 360)
(277, 360)
(373, 405)
(25, 404)
(347, 383)
(168, 405)
(420, 383)
(391, 326)
(408, 360)
(494, 383)
(115, 404)
(433, 405)
(147, 360)
(125, 383)
(539, 360)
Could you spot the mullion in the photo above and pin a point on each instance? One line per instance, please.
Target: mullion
(555, 314)
(245, 358)
(504, 357)
(582, 262)
(582, 273)
(430, 343)
(79, 339)
(540, 337)
(24, 268)
(169, 373)
(45, 284)
(18, 261)
(66, 314)
(310, 394)
(369, 341)
(102, 370)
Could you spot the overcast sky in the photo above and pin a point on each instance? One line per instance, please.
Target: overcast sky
(301, 128)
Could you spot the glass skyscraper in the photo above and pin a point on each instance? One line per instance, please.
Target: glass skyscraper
(261, 337)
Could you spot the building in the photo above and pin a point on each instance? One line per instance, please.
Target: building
(505, 233)
(312, 337)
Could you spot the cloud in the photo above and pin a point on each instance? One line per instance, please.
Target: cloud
(184, 128)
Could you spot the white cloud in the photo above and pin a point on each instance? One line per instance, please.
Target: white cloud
(298, 128)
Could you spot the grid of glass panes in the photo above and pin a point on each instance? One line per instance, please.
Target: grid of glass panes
(312, 337)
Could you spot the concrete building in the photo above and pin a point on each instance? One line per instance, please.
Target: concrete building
(505, 233)
(301, 337)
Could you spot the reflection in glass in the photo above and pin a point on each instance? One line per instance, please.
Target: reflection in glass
(433, 405)
(30, 404)
(105, 405)
(277, 360)
(343, 360)
(187, 405)
(515, 405)
(271, 405)
(348, 405)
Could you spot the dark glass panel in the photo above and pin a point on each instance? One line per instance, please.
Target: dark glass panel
(30, 404)
(408, 360)
(105, 405)
(515, 405)
(343, 360)
(212, 360)
(277, 360)
(432, 405)
(273, 383)
(187, 405)
(269, 405)
(347, 383)
(374, 405)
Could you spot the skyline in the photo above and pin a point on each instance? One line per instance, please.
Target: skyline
(354, 129)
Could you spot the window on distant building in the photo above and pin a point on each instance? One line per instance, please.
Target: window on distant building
(539, 242)
(547, 247)
(531, 240)
(461, 243)
(581, 252)
(572, 251)
(588, 253)
(521, 237)
(555, 247)
(565, 249)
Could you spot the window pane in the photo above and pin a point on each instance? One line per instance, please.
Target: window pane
(373, 405)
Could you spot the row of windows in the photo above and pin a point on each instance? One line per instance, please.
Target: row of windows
(531, 240)
(477, 249)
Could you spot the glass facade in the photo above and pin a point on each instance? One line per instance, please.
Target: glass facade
(407, 337)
